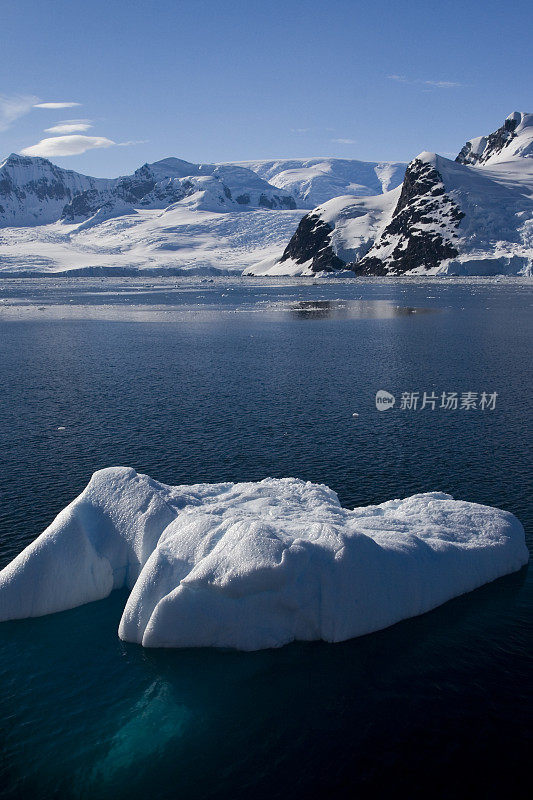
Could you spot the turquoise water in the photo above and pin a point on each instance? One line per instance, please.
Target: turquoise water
(227, 380)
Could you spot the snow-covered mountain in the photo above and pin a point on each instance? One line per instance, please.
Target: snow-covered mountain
(209, 187)
(33, 191)
(471, 216)
(313, 181)
(514, 138)
(170, 215)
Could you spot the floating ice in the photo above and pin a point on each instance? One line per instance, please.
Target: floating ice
(255, 565)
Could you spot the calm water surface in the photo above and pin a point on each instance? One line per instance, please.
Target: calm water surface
(238, 380)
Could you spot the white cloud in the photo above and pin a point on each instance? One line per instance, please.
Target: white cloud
(129, 144)
(66, 145)
(69, 127)
(420, 81)
(299, 130)
(344, 141)
(13, 107)
(56, 105)
(75, 121)
(443, 84)
(72, 145)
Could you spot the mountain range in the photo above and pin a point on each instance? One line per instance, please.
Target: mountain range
(468, 216)
(172, 215)
(313, 181)
(473, 215)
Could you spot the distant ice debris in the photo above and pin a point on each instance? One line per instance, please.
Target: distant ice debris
(256, 565)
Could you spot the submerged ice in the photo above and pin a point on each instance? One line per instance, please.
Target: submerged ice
(256, 565)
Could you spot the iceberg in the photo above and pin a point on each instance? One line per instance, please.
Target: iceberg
(259, 564)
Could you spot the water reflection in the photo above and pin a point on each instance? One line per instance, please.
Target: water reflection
(352, 309)
(199, 308)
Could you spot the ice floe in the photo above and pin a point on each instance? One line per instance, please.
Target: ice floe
(256, 565)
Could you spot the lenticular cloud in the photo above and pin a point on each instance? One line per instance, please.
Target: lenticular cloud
(56, 106)
(256, 565)
(72, 145)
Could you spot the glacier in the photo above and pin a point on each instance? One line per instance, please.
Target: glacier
(170, 215)
(258, 564)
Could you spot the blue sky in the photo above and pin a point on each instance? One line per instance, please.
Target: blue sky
(216, 81)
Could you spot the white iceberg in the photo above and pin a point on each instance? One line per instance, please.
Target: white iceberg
(256, 565)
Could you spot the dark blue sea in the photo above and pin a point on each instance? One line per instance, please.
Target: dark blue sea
(229, 380)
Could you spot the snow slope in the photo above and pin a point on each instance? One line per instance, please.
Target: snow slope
(181, 238)
(334, 234)
(471, 216)
(314, 181)
(256, 565)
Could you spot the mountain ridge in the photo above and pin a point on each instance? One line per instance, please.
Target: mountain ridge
(313, 181)
(473, 215)
(35, 191)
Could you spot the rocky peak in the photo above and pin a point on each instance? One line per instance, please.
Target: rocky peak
(480, 150)
(312, 242)
(423, 225)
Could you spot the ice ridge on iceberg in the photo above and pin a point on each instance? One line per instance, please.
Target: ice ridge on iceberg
(256, 565)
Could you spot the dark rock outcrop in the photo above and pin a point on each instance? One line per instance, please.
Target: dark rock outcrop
(83, 205)
(312, 242)
(276, 201)
(415, 232)
(490, 145)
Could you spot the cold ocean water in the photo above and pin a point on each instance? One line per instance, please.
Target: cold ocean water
(194, 380)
